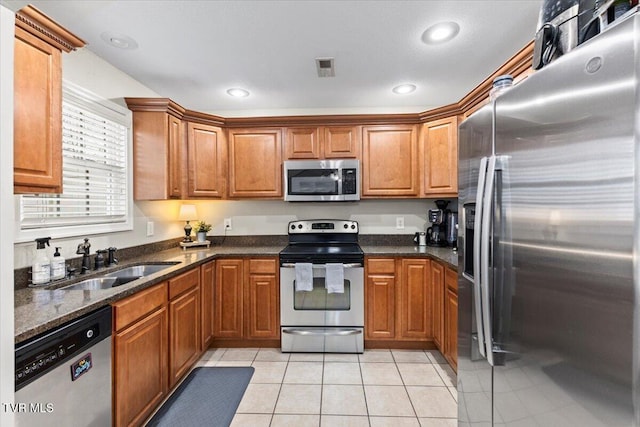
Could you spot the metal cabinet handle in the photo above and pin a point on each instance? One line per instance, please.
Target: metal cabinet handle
(293, 265)
(322, 332)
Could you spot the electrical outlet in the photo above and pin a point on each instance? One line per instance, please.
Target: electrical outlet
(400, 223)
(150, 226)
(227, 224)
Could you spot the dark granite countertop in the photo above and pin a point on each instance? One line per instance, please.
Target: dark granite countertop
(40, 309)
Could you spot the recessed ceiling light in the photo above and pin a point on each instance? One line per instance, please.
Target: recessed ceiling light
(120, 41)
(403, 89)
(238, 92)
(440, 32)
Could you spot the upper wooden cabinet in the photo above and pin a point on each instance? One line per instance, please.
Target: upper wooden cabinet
(37, 115)
(206, 147)
(440, 157)
(255, 163)
(158, 149)
(390, 161)
(324, 142)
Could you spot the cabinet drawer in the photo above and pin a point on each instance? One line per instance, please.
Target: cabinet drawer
(262, 266)
(381, 266)
(128, 310)
(184, 282)
(451, 279)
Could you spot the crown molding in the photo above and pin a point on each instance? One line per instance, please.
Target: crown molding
(40, 25)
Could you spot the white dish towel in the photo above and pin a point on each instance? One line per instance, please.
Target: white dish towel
(304, 276)
(334, 278)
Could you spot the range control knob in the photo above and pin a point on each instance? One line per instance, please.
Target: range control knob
(90, 333)
(300, 226)
(353, 226)
(346, 226)
(293, 226)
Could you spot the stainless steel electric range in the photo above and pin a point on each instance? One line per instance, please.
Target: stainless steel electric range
(322, 288)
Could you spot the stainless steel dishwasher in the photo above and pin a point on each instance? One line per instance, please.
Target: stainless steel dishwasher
(63, 377)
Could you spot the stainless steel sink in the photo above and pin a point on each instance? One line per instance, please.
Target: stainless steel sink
(119, 277)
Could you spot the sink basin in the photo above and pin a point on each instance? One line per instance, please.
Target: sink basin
(119, 277)
(139, 270)
(99, 283)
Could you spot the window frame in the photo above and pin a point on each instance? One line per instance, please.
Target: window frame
(98, 105)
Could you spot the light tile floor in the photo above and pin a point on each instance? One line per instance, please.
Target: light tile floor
(376, 389)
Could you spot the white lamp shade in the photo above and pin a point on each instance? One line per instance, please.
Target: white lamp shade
(187, 213)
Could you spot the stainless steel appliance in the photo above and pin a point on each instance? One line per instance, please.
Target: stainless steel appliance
(452, 229)
(317, 320)
(549, 327)
(63, 377)
(321, 180)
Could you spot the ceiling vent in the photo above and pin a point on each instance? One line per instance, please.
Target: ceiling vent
(325, 67)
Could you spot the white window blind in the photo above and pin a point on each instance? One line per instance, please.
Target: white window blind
(94, 169)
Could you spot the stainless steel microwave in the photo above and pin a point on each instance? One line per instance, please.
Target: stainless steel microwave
(321, 180)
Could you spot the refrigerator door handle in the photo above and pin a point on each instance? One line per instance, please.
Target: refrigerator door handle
(477, 225)
(484, 256)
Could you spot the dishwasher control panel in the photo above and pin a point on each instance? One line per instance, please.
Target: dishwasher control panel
(43, 353)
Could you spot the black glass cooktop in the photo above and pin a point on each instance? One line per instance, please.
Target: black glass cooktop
(322, 253)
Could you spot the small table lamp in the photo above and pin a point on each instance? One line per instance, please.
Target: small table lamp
(187, 213)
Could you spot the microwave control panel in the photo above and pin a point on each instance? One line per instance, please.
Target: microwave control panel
(349, 181)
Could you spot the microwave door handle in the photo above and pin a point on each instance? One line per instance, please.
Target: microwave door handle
(484, 257)
(477, 225)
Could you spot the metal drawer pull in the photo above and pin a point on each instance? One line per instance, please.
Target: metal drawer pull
(293, 265)
(309, 332)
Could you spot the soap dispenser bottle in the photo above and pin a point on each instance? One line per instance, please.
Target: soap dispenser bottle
(58, 266)
(41, 268)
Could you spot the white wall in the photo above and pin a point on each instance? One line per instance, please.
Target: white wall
(6, 215)
(248, 217)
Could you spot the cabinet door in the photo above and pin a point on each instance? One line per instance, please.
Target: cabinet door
(389, 161)
(380, 306)
(440, 157)
(206, 152)
(207, 280)
(451, 328)
(437, 283)
(255, 163)
(184, 333)
(415, 316)
(341, 142)
(228, 310)
(176, 141)
(37, 116)
(140, 368)
(263, 308)
(303, 143)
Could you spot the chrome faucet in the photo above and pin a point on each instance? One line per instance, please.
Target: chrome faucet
(83, 249)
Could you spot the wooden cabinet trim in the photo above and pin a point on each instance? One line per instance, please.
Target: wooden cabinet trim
(32, 20)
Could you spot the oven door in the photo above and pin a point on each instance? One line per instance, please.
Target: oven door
(319, 321)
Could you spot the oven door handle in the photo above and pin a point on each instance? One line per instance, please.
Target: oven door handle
(322, 332)
(293, 265)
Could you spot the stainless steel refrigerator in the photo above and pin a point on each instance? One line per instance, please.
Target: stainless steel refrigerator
(549, 328)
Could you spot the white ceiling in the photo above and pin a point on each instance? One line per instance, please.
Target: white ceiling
(193, 51)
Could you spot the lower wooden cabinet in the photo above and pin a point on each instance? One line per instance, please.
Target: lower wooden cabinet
(207, 280)
(450, 350)
(184, 324)
(437, 284)
(415, 312)
(246, 299)
(140, 355)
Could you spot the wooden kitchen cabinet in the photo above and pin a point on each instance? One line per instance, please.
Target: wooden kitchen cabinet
(207, 282)
(206, 148)
(247, 299)
(380, 289)
(159, 149)
(263, 299)
(255, 163)
(438, 287)
(451, 318)
(415, 312)
(37, 113)
(323, 142)
(389, 161)
(184, 324)
(228, 307)
(140, 355)
(440, 158)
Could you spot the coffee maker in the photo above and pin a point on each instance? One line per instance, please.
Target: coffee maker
(438, 218)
